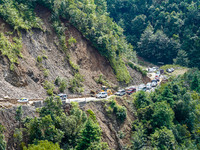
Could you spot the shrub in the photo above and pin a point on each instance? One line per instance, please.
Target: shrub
(71, 41)
(92, 115)
(46, 72)
(119, 111)
(39, 59)
(63, 85)
(49, 87)
(137, 68)
(75, 83)
(57, 81)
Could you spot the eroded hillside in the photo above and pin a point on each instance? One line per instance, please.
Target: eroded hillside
(28, 77)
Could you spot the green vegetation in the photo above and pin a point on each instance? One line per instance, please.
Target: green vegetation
(159, 30)
(2, 138)
(102, 80)
(119, 111)
(137, 68)
(71, 41)
(63, 85)
(169, 117)
(39, 59)
(49, 86)
(75, 84)
(54, 129)
(19, 15)
(10, 49)
(43, 145)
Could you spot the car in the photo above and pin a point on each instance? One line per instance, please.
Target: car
(141, 87)
(157, 78)
(120, 92)
(148, 86)
(131, 91)
(161, 71)
(158, 73)
(62, 96)
(153, 84)
(102, 95)
(169, 70)
(172, 69)
(23, 100)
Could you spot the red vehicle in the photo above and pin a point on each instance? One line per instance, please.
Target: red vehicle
(131, 91)
(157, 78)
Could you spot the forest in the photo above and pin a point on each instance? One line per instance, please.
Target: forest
(165, 31)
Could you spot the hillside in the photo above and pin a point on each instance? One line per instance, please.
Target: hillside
(159, 30)
(44, 49)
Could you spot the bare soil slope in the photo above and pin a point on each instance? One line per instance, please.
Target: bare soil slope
(27, 78)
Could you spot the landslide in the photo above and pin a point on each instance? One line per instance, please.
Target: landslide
(27, 78)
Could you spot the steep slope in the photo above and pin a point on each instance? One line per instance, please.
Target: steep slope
(115, 133)
(28, 76)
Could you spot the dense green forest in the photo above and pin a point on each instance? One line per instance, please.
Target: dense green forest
(159, 30)
(169, 117)
(88, 16)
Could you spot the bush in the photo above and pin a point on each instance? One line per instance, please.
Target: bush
(92, 115)
(43, 145)
(137, 68)
(71, 41)
(46, 72)
(57, 81)
(63, 85)
(75, 83)
(39, 59)
(119, 111)
(49, 87)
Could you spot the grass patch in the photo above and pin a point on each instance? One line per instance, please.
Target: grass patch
(172, 66)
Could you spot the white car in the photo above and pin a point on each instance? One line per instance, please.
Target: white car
(148, 85)
(142, 87)
(102, 95)
(23, 100)
(153, 84)
(120, 92)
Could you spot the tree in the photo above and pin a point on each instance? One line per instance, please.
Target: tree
(53, 107)
(163, 115)
(43, 145)
(141, 100)
(163, 139)
(195, 83)
(181, 58)
(18, 115)
(91, 133)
